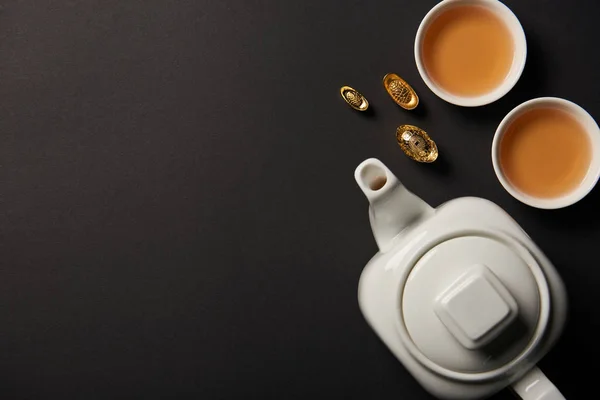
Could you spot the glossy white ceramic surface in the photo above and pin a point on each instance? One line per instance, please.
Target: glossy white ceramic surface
(404, 286)
(436, 270)
(476, 307)
(534, 385)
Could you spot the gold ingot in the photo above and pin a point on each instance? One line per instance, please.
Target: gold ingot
(416, 143)
(400, 91)
(354, 98)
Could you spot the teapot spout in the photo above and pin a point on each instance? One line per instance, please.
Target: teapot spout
(392, 208)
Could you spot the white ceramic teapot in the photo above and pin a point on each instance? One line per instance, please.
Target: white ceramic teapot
(460, 294)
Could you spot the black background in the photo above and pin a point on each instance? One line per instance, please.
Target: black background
(179, 216)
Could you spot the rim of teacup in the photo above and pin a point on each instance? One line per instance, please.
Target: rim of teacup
(518, 64)
(593, 172)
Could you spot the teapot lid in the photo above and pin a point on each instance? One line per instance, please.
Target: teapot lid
(474, 304)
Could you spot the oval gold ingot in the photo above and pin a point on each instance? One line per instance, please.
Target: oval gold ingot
(354, 98)
(416, 143)
(400, 91)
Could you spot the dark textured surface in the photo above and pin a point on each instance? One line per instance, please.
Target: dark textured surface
(178, 215)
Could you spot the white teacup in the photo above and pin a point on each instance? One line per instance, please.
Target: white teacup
(593, 173)
(518, 64)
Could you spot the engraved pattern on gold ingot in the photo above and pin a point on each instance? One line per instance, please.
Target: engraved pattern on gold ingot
(400, 91)
(354, 98)
(416, 143)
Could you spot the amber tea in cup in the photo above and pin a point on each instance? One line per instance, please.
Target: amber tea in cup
(468, 50)
(546, 152)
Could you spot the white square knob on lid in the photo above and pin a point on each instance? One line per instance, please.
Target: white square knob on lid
(476, 307)
(457, 333)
